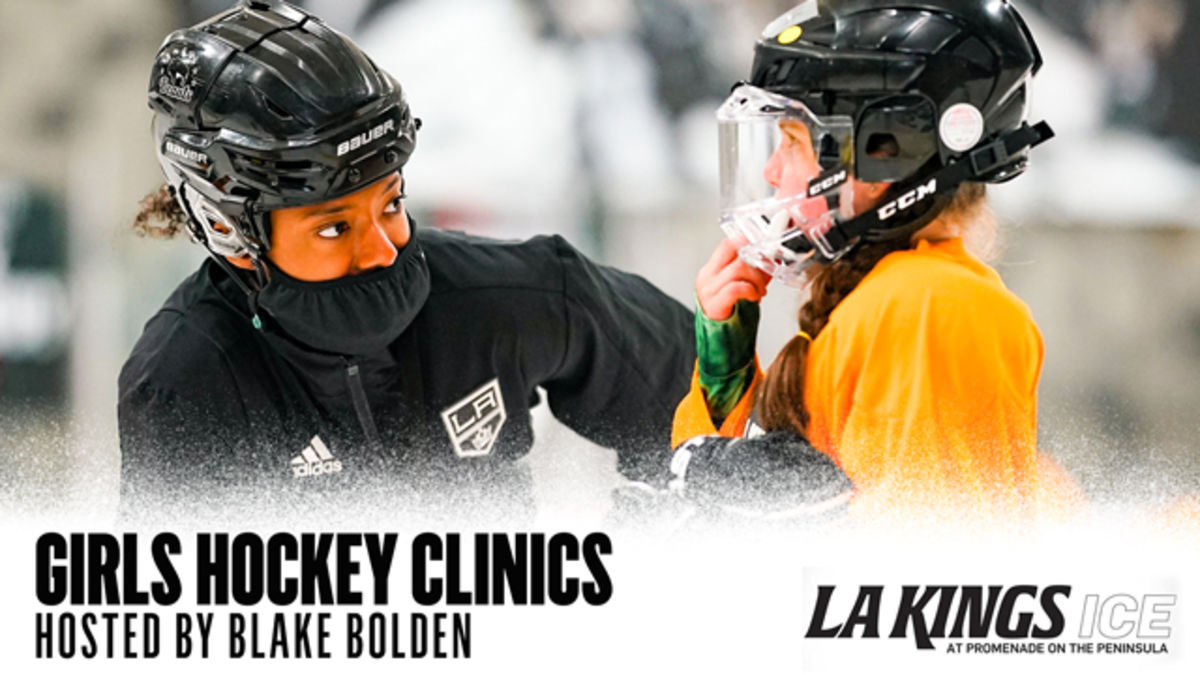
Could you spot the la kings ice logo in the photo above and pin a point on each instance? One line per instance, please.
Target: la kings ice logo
(999, 619)
(475, 421)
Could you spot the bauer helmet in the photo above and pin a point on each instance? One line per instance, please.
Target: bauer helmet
(920, 94)
(265, 107)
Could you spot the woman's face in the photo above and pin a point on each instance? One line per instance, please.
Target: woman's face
(353, 234)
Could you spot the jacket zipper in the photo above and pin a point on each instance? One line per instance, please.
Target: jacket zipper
(361, 409)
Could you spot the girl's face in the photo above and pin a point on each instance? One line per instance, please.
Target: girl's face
(346, 236)
(794, 163)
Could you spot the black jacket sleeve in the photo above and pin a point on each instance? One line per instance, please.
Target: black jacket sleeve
(184, 435)
(626, 363)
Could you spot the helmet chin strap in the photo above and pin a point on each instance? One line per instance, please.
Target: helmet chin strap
(260, 273)
(911, 204)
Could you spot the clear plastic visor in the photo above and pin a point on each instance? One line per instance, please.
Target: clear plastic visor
(786, 176)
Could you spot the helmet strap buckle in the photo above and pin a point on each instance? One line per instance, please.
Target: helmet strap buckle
(989, 157)
(832, 243)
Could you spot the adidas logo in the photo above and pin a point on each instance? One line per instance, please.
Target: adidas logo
(315, 460)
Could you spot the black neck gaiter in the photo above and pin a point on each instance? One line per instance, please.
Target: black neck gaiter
(351, 315)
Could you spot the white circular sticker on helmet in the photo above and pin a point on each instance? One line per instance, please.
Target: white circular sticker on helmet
(961, 127)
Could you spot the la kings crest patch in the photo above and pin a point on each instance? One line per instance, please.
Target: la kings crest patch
(475, 421)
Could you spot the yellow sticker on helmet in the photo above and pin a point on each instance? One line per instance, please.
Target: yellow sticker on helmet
(790, 35)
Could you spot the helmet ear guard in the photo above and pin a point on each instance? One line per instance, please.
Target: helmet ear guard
(895, 138)
(212, 226)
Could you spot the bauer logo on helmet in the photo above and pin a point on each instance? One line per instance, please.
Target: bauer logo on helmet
(366, 138)
(186, 153)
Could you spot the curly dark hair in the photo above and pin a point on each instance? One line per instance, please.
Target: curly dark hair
(159, 215)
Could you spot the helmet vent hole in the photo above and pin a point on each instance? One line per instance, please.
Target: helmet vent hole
(277, 110)
(291, 183)
(883, 146)
(300, 165)
(785, 69)
(772, 74)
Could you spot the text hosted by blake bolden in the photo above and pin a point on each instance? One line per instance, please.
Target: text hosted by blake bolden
(298, 596)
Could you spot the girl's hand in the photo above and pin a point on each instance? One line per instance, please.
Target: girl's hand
(725, 279)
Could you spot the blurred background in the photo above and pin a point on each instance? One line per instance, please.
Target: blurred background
(594, 119)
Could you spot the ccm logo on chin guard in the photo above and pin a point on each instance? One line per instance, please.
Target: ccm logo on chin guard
(908, 200)
(827, 181)
(366, 138)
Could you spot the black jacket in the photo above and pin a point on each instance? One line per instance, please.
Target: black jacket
(216, 415)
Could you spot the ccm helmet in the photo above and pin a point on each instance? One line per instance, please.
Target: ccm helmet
(921, 94)
(265, 107)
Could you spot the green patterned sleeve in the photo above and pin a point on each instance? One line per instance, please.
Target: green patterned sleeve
(725, 350)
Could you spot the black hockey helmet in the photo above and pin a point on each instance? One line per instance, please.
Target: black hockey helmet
(942, 85)
(264, 107)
